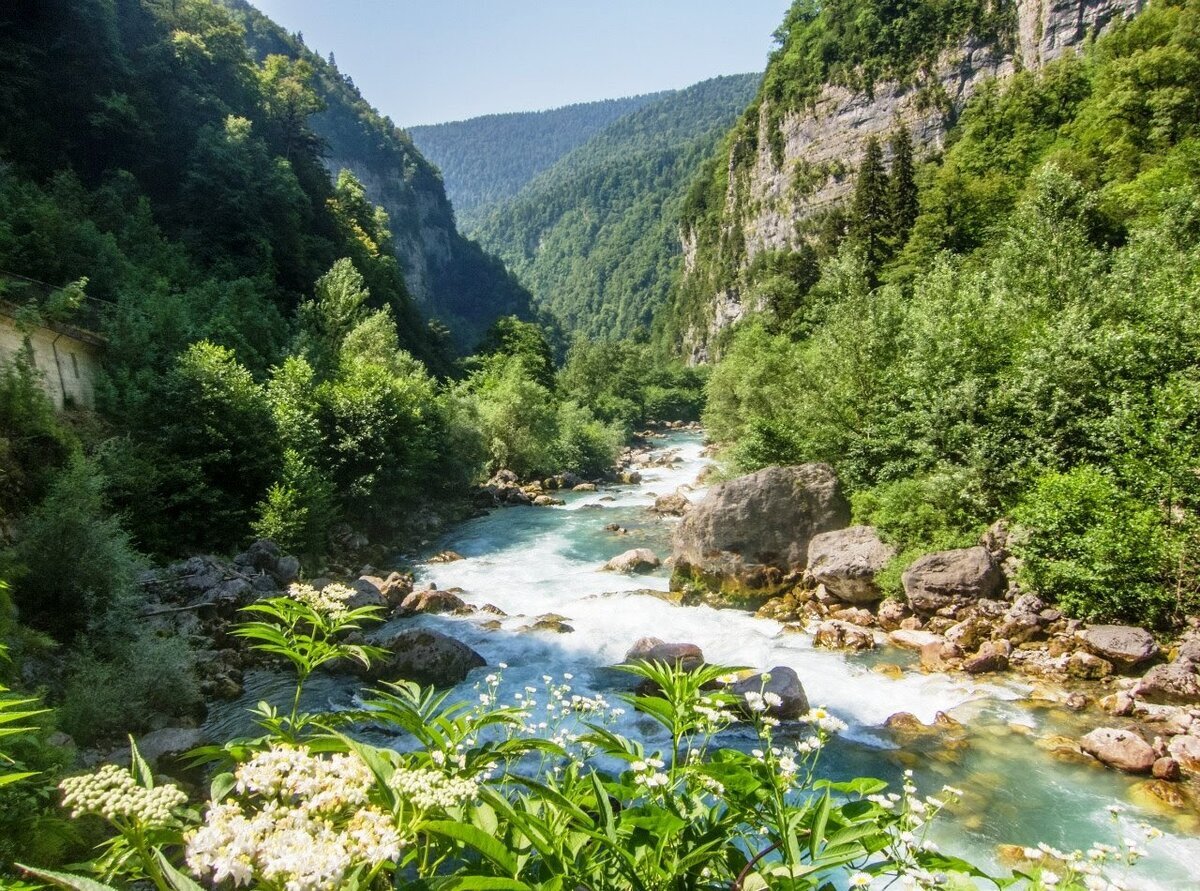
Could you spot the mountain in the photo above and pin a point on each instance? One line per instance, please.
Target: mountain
(844, 72)
(595, 237)
(451, 279)
(488, 159)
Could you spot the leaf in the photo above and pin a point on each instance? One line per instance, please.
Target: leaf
(819, 823)
(141, 769)
(479, 883)
(177, 880)
(477, 839)
(66, 880)
(222, 784)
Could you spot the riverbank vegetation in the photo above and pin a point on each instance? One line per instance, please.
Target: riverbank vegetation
(1028, 347)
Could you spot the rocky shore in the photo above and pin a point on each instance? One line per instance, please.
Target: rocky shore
(780, 541)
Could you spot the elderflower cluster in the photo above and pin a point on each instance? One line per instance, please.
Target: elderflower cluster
(333, 600)
(428, 789)
(306, 824)
(113, 793)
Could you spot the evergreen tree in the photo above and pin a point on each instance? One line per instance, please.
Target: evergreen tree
(902, 192)
(870, 212)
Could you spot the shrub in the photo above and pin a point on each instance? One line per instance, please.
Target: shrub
(584, 445)
(1094, 549)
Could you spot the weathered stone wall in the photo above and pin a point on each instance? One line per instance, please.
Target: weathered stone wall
(67, 360)
(824, 143)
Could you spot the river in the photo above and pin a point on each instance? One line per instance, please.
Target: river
(533, 561)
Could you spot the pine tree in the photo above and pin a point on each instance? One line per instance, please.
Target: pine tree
(902, 187)
(870, 212)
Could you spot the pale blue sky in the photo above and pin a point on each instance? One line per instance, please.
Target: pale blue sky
(442, 60)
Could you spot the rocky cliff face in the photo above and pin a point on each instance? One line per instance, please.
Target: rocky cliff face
(772, 200)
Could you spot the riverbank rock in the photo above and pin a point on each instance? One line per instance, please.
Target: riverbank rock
(1176, 683)
(673, 505)
(634, 560)
(431, 600)
(170, 743)
(749, 534)
(1125, 646)
(686, 656)
(1122, 749)
(425, 656)
(992, 656)
(780, 681)
(943, 578)
(912, 639)
(846, 562)
(839, 635)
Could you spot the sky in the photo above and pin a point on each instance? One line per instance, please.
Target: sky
(428, 61)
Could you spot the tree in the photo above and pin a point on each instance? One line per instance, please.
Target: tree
(902, 186)
(870, 212)
(289, 99)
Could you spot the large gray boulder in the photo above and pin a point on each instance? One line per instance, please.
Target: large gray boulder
(846, 562)
(784, 683)
(946, 577)
(750, 533)
(1122, 749)
(1176, 683)
(1125, 646)
(425, 656)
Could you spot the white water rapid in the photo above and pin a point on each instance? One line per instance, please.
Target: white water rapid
(534, 561)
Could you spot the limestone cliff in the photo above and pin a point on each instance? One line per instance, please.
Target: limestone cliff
(784, 170)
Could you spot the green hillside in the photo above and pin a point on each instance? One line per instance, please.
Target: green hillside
(596, 237)
(489, 159)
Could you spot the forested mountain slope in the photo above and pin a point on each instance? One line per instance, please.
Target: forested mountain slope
(451, 279)
(488, 159)
(842, 73)
(595, 238)
(1006, 330)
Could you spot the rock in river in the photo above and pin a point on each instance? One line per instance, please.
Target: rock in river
(425, 656)
(940, 579)
(634, 560)
(1122, 749)
(847, 561)
(1125, 646)
(748, 534)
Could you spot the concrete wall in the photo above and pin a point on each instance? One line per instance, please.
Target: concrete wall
(67, 359)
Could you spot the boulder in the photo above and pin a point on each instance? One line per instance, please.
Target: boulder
(547, 501)
(837, 635)
(749, 534)
(629, 477)
(287, 570)
(1176, 683)
(1186, 750)
(1122, 749)
(651, 649)
(969, 633)
(551, 623)
(262, 556)
(634, 560)
(446, 557)
(1085, 666)
(943, 578)
(891, 613)
(1166, 768)
(585, 487)
(1125, 646)
(366, 593)
(911, 639)
(425, 656)
(991, 656)
(784, 683)
(940, 656)
(673, 505)
(170, 743)
(431, 600)
(846, 562)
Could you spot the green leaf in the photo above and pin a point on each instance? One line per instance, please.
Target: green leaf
(141, 770)
(66, 880)
(819, 823)
(477, 839)
(177, 880)
(479, 883)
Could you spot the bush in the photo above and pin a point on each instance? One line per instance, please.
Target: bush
(1094, 549)
(584, 445)
(73, 560)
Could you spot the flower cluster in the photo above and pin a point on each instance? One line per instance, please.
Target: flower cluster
(333, 600)
(428, 788)
(824, 721)
(307, 825)
(1088, 868)
(113, 793)
(648, 772)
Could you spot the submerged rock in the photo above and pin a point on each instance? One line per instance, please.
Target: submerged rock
(749, 534)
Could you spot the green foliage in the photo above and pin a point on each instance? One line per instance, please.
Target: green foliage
(72, 560)
(596, 236)
(1094, 549)
(488, 159)
(870, 211)
(629, 383)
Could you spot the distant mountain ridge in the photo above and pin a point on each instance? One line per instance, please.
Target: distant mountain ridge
(450, 277)
(490, 158)
(595, 237)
